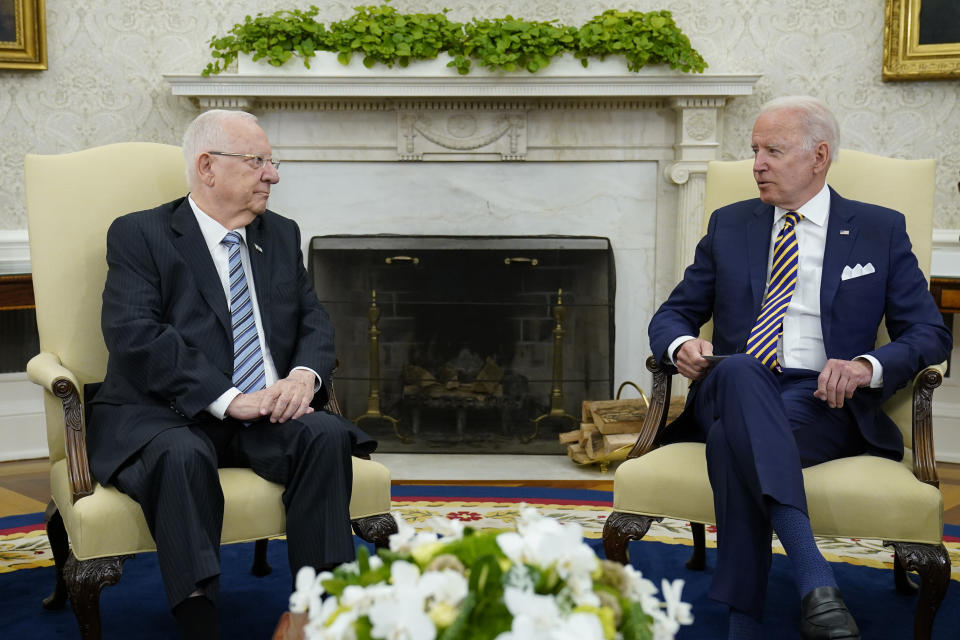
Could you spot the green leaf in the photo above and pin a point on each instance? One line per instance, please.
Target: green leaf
(486, 577)
(635, 624)
(363, 628)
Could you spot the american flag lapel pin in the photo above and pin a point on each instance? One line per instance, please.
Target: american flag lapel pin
(843, 232)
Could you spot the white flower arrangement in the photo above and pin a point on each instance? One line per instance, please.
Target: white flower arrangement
(540, 582)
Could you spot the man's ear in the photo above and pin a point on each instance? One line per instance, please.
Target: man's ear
(821, 160)
(205, 169)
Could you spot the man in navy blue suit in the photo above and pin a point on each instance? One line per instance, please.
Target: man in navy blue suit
(220, 355)
(837, 269)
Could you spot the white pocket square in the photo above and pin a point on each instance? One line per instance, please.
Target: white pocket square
(857, 271)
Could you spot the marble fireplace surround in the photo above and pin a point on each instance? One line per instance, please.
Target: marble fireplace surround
(621, 156)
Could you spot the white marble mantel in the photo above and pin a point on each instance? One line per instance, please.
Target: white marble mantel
(249, 89)
(620, 155)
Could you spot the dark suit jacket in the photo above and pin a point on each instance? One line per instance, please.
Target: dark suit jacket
(727, 281)
(166, 323)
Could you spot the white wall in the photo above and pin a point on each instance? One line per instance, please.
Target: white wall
(22, 431)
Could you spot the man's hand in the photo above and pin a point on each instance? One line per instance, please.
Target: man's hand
(286, 399)
(689, 358)
(840, 378)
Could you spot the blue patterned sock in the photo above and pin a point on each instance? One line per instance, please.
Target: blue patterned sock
(742, 626)
(793, 529)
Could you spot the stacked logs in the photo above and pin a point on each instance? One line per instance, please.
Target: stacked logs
(609, 428)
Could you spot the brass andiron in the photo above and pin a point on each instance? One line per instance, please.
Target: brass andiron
(373, 399)
(556, 392)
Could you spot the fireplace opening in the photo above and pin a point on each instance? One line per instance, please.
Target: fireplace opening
(479, 344)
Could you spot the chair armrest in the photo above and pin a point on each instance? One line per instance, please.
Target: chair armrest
(924, 459)
(46, 370)
(656, 418)
(333, 405)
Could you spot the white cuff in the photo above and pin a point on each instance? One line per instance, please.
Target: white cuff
(218, 408)
(672, 349)
(876, 381)
(318, 383)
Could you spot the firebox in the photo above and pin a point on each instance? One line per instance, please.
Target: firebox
(479, 344)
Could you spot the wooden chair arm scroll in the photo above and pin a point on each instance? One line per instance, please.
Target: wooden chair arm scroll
(656, 418)
(924, 460)
(46, 370)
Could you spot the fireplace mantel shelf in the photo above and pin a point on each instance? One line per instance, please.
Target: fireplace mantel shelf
(638, 85)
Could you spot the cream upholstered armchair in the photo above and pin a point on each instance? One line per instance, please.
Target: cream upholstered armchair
(71, 200)
(859, 497)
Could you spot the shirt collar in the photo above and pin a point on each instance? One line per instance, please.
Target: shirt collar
(213, 232)
(815, 209)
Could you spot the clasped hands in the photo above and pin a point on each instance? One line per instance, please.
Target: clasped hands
(837, 382)
(286, 399)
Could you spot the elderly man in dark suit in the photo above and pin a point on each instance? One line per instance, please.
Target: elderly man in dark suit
(219, 355)
(797, 283)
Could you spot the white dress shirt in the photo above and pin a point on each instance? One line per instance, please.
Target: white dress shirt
(213, 233)
(801, 344)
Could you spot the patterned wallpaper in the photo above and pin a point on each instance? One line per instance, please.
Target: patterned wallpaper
(106, 59)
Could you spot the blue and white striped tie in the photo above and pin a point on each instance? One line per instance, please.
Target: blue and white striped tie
(248, 372)
(762, 343)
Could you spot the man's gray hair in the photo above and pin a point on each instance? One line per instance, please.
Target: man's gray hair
(204, 134)
(818, 122)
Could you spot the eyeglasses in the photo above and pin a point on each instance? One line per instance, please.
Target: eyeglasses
(257, 161)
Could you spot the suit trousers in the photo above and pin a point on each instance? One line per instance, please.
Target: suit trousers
(174, 479)
(761, 429)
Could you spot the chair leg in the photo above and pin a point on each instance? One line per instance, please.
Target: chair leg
(260, 565)
(376, 529)
(932, 564)
(698, 559)
(901, 579)
(620, 529)
(85, 579)
(60, 546)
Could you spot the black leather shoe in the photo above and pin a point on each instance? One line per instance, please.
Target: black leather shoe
(824, 616)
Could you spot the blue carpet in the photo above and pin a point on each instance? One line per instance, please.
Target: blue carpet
(250, 607)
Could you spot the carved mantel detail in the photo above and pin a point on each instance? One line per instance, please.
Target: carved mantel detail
(501, 133)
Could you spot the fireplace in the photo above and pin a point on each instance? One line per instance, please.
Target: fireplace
(468, 343)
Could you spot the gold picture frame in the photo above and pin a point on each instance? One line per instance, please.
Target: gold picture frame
(921, 40)
(23, 34)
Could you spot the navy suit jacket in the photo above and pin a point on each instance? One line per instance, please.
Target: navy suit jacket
(166, 323)
(727, 281)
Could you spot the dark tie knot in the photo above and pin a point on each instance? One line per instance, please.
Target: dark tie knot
(791, 219)
(232, 238)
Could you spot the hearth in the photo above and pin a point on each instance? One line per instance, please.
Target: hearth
(471, 343)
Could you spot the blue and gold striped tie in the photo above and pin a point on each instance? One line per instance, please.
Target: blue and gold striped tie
(762, 343)
(248, 372)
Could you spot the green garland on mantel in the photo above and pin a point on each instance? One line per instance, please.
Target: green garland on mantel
(382, 35)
